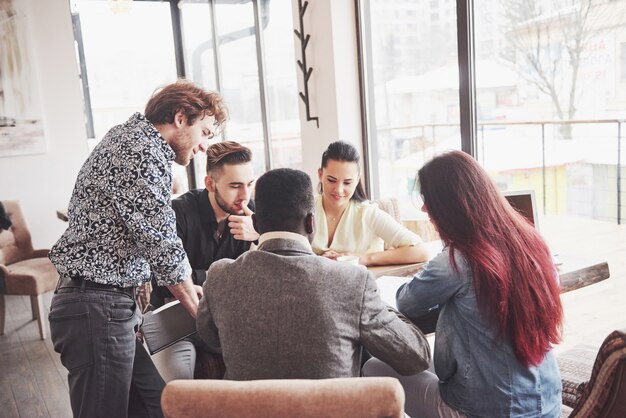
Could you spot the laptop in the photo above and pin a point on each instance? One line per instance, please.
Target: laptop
(525, 203)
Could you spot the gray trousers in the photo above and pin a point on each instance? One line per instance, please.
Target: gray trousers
(178, 361)
(110, 374)
(422, 396)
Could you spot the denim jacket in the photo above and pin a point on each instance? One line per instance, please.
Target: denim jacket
(478, 372)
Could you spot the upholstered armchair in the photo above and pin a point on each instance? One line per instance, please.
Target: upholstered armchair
(423, 227)
(23, 270)
(597, 391)
(357, 397)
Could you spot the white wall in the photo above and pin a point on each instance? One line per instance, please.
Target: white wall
(43, 183)
(334, 83)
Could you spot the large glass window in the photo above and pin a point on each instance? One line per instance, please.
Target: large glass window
(120, 68)
(240, 76)
(412, 90)
(124, 64)
(282, 87)
(550, 100)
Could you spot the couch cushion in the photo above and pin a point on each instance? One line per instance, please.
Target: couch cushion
(31, 277)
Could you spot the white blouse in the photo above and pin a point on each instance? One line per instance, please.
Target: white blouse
(363, 228)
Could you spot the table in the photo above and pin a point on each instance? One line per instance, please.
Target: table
(407, 270)
(574, 272)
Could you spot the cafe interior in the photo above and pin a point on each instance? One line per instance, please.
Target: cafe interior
(534, 91)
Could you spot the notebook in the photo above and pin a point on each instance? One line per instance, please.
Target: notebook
(166, 326)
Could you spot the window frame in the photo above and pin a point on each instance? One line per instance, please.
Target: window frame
(467, 87)
(179, 57)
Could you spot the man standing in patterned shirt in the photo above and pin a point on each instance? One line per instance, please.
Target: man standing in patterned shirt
(121, 230)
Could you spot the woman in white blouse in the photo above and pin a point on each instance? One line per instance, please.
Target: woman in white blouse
(347, 224)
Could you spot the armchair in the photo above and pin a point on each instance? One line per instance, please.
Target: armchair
(356, 397)
(23, 270)
(599, 392)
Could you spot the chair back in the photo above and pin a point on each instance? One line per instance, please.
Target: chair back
(357, 397)
(15, 243)
(390, 205)
(604, 396)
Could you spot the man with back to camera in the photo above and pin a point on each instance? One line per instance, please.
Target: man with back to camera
(281, 312)
(122, 228)
(213, 223)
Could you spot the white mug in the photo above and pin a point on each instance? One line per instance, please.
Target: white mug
(350, 259)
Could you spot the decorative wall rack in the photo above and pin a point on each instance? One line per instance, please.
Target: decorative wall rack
(306, 71)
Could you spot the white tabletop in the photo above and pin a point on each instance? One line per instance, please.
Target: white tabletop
(388, 286)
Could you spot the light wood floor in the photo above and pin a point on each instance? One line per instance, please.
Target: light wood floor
(33, 383)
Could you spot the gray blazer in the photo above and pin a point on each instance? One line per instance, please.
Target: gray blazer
(283, 313)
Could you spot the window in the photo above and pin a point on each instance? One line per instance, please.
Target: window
(124, 65)
(250, 60)
(542, 111)
(412, 96)
(547, 99)
(623, 62)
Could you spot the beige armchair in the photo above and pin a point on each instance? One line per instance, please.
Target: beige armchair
(423, 227)
(357, 397)
(23, 270)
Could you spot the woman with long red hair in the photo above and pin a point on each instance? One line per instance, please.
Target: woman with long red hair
(498, 293)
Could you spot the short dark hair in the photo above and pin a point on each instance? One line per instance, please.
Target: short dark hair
(226, 152)
(343, 151)
(283, 197)
(185, 96)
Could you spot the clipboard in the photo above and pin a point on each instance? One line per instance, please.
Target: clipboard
(166, 326)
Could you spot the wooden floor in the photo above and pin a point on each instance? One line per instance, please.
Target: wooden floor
(33, 383)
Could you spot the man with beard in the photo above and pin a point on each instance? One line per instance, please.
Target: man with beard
(282, 312)
(121, 231)
(213, 223)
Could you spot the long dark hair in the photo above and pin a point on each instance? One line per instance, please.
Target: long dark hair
(343, 151)
(512, 270)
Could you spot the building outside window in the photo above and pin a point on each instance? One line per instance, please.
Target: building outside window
(548, 119)
(549, 98)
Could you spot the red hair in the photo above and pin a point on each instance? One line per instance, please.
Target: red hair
(513, 274)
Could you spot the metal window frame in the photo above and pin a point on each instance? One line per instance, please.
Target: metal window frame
(179, 55)
(366, 88)
(467, 85)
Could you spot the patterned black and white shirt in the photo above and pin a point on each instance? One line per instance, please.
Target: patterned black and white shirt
(121, 224)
